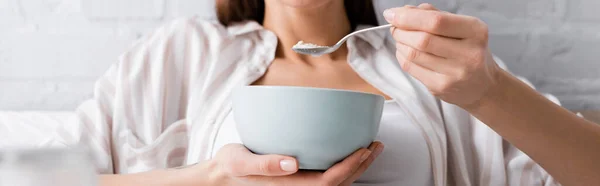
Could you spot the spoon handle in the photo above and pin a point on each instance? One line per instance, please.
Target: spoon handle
(363, 30)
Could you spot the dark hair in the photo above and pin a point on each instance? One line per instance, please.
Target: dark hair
(360, 12)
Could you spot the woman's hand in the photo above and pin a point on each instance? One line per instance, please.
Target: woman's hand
(446, 52)
(235, 165)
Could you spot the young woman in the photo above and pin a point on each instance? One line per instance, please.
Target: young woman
(166, 103)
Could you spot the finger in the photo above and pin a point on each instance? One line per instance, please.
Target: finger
(344, 169)
(237, 160)
(435, 22)
(427, 60)
(376, 148)
(315, 178)
(426, 42)
(300, 178)
(427, 6)
(431, 79)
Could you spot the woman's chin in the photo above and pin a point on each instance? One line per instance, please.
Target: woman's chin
(306, 3)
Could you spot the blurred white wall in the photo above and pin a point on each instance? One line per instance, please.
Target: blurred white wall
(51, 51)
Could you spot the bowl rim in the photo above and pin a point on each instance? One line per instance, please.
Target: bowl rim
(312, 88)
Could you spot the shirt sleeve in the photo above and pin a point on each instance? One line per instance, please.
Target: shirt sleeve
(90, 127)
(135, 120)
(521, 170)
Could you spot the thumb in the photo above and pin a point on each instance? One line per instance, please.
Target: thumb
(269, 165)
(239, 161)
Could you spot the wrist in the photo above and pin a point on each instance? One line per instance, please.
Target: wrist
(204, 173)
(150, 178)
(500, 81)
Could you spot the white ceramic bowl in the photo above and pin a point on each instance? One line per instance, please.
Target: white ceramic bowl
(319, 127)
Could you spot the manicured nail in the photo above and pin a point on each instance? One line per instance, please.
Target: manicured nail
(389, 15)
(365, 155)
(288, 165)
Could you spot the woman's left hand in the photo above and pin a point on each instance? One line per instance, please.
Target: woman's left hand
(446, 52)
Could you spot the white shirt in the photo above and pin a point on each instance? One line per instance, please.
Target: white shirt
(405, 160)
(162, 103)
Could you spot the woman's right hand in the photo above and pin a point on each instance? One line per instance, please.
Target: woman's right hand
(235, 165)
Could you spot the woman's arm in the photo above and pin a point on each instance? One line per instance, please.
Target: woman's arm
(566, 146)
(235, 165)
(169, 177)
(449, 54)
(191, 176)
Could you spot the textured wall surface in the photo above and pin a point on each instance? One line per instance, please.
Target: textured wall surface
(51, 51)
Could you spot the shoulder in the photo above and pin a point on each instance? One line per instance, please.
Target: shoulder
(175, 43)
(193, 34)
(189, 43)
(181, 31)
(168, 52)
(201, 30)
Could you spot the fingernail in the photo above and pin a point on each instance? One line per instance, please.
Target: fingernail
(378, 150)
(288, 165)
(365, 155)
(389, 15)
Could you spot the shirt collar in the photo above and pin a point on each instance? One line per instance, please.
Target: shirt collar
(242, 28)
(375, 38)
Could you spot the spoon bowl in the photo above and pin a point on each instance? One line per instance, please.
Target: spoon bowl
(316, 50)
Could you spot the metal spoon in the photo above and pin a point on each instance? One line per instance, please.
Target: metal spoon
(316, 50)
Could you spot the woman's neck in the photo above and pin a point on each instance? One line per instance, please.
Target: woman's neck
(322, 25)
